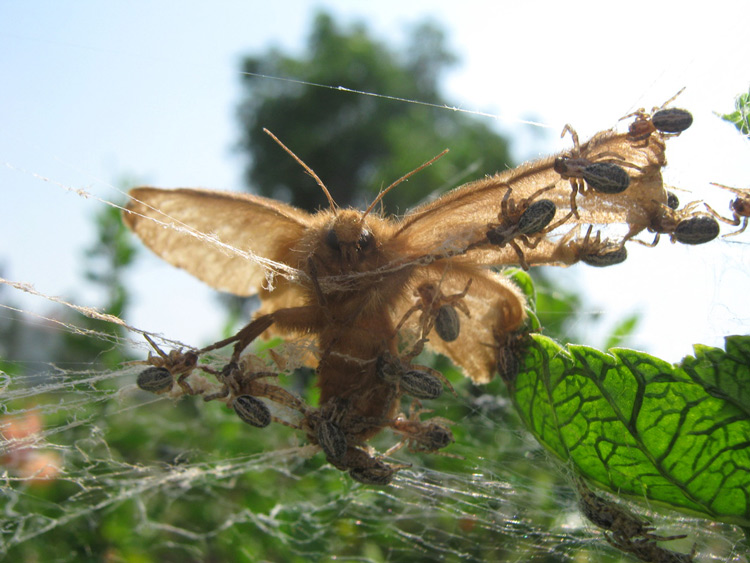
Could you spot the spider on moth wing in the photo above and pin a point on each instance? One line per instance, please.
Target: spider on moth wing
(426, 436)
(519, 220)
(438, 311)
(590, 250)
(603, 176)
(682, 225)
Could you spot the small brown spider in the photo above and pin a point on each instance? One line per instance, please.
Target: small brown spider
(509, 348)
(326, 427)
(669, 122)
(366, 469)
(682, 225)
(627, 531)
(420, 382)
(241, 387)
(740, 208)
(438, 311)
(649, 551)
(592, 251)
(159, 378)
(519, 220)
(427, 436)
(602, 175)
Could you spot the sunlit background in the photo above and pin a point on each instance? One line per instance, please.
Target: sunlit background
(96, 92)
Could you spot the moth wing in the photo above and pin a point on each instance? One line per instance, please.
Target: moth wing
(232, 241)
(462, 216)
(495, 305)
(449, 224)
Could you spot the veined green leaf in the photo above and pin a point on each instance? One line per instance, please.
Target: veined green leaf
(639, 426)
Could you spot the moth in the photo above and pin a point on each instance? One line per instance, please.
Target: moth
(348, 278)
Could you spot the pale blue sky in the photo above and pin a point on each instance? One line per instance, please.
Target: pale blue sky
(94, 90)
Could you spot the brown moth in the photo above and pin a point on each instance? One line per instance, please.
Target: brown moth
(348, 278)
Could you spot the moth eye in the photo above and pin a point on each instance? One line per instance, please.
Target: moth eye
(365, 240)
(332, 240)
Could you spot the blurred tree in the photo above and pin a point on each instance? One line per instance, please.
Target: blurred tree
(358, 144)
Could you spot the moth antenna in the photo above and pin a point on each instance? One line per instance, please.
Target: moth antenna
(401, 179)
(307, 169)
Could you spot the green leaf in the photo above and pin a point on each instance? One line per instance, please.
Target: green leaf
(622, 331)
(639, 426)
(740, 118)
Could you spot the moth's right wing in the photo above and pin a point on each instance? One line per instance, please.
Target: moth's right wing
(230, 240)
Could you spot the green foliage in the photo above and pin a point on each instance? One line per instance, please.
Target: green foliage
(638, 426)
(740, 117)
(355, 143)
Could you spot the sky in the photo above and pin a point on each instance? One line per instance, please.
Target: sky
(95, 92)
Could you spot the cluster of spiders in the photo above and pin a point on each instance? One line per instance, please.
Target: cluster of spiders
(243, 385)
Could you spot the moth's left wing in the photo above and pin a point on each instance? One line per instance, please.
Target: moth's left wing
(229, 240)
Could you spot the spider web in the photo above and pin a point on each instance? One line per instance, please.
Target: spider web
(95, 468)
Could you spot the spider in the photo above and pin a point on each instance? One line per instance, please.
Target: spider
(438, 312)
(241, 388)
(603, 176)
(649, 551)
(366, 469)
(592, 251)
(740, 208)
(682, 225)
(624, 527)
(421, 436)
(421, 383)
(160, 377)
(508, 350)
(325, 426)
(669, 122)
(518, 220)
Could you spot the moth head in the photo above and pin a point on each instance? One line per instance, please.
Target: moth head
(348, 236)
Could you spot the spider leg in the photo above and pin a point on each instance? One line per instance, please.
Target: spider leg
(735, 221)
(740, 230)
(521, 257)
